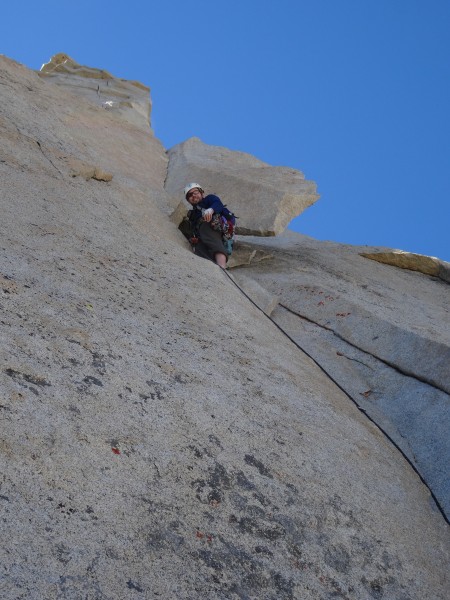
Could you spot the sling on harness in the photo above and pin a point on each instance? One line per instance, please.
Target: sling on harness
(225, 222)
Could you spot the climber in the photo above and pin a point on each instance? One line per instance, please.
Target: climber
(211, 224)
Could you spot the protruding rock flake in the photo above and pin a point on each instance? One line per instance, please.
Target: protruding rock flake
(429, 265)
(268, 197)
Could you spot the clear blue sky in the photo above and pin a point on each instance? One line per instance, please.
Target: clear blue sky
(355, 93)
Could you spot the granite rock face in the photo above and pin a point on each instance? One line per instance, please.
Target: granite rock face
(148, 448)
(383, 334)
(129, 99)
(265, 198)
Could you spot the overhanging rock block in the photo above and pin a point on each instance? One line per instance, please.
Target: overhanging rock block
(265, 198)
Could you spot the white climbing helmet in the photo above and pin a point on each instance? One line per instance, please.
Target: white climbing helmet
(192, 186)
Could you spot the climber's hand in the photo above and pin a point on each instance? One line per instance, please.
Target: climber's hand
(207, 216)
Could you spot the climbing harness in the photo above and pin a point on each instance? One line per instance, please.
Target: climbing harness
(224, 223)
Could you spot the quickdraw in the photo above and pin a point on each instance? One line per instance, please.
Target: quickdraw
(226, 225)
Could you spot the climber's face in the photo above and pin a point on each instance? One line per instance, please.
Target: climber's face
(194, 196)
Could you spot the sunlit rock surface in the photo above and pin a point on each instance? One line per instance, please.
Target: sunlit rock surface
(429, 265)
(160, 437)
(129, 99)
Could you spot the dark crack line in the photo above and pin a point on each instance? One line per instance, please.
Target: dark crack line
(49, 160)
(167, 172)
(355, 402)
(30, 139)
(358, 361)
(385, 362)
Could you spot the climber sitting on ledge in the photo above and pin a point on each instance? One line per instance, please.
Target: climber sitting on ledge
(211, 225)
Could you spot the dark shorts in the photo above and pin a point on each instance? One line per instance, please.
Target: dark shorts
(210, 242)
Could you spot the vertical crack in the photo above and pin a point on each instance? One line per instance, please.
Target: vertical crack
(49, 160)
